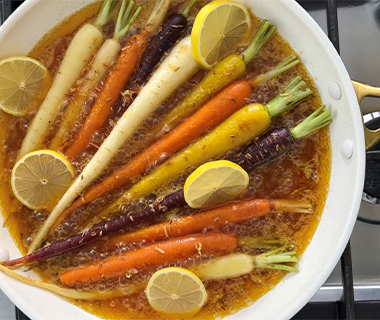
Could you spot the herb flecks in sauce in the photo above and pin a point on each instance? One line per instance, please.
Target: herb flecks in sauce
(302, 174)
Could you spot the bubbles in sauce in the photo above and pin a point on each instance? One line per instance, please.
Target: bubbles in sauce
(302, 174)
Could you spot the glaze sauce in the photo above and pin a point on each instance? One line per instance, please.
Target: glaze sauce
(302, 174)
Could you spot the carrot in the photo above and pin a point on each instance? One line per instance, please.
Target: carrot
(211, 115)
(238, 264)
(152, 256)
(279, 141)
(171, 30)
(215, 218)
(116, 81)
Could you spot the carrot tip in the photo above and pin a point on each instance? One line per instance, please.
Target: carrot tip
(294, 206)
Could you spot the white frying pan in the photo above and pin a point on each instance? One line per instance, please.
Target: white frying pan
(35, 17)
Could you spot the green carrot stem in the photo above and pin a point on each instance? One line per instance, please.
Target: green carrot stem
(259, 40)
(285, 65)
(125, 20)
(157, 16)
(274, 259)
(291, 85)
(189, 7)
(296, 91)
(267, 36)
(123, 16)
(282, 267)
(317, 120)
(105, 13)
(128, 12)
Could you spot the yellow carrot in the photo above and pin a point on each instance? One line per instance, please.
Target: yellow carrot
(243, 126)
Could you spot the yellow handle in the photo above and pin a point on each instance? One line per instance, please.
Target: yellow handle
(364, 90)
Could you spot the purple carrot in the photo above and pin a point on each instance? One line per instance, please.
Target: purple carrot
(100, 230)
(276, 143)
(170, 32)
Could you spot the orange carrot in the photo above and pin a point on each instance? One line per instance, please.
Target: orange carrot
(117, 79)
(152, 256)
(214, 218)
(113, 86)
(212, 114)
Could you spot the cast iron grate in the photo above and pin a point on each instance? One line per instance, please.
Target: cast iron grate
(344, 309)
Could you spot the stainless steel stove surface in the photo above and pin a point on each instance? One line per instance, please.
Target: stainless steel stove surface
(359, 40)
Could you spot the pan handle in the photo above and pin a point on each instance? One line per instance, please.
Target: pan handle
(364, 90)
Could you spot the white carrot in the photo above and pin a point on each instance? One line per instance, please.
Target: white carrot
(79, 53)
(99, 67)
(238, 264)
(178, 66)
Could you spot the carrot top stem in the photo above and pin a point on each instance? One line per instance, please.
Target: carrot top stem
(259, 40)
(157, 16)
(274, 259)
(105, 13)
(285, 65)
(294, 206)
(125, 19)
(317, 120)
(188, 8)
(294, 92)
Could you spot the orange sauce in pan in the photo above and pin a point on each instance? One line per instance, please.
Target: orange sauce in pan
(302, 174)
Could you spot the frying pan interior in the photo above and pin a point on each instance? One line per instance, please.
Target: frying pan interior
(34, 18)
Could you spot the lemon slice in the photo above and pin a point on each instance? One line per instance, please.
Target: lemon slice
(214, 183)
(40, 178)
(218, 29)
(23, 82)
(176, 291)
